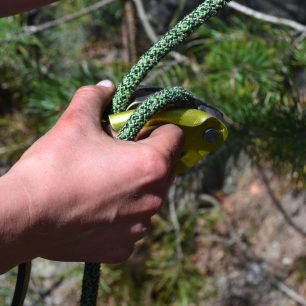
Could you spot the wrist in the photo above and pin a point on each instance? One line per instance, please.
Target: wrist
(16, 243)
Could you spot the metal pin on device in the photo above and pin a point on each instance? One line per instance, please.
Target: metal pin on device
(211, 136)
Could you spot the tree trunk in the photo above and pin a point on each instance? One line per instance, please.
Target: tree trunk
(130, 32)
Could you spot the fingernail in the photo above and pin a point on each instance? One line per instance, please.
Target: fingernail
(106, 83)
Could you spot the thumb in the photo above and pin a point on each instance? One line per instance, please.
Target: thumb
(168, 140)
(89, 102)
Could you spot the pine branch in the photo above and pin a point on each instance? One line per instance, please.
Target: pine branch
(145, 21)
(30, 30)
(290, 293)
(151, 33)
(266, 17)
(278, 204)
(175, 222)
(262, 265)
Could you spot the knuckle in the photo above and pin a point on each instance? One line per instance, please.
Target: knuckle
(175, 132)
(138, 232)
(122, 254)
(150, 205)
(75, 115)
(156, 205)
(156, 165)
(73, 121)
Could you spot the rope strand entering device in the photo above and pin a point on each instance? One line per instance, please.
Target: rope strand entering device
(166, 44)
(152, 105)
(143, 114)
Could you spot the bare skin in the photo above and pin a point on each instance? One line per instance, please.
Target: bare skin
(78, 194)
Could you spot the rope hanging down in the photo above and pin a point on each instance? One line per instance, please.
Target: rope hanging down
(152, 105)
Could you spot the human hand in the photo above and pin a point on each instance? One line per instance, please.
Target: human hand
(90, 197)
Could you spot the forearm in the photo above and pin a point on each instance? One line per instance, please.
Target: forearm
(11, 7)
(15, 246)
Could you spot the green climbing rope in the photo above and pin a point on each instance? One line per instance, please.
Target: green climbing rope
(167, 43)
(152, 105)
(90, 285)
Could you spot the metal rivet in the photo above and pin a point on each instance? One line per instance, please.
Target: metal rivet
(211, 136)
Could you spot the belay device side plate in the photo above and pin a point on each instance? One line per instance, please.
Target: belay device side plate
(203, 127)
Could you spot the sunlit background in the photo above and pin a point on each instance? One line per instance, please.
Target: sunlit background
(234, 230)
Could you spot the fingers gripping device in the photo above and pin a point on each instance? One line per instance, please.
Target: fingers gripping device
(147, 108)
(202, 124)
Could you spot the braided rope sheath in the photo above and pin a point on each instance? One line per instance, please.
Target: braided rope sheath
(167, 43)
(152, 105)
(90, 284)
(129, 131)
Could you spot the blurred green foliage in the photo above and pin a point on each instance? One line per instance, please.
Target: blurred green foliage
(253, 78)
(247, 68)
(164, 277)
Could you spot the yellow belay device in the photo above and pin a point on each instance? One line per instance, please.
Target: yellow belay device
(203, 127)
